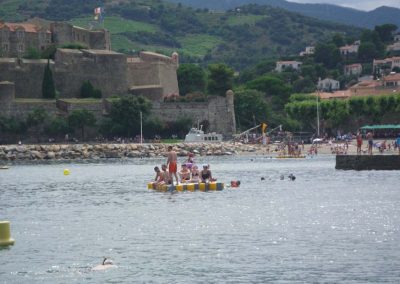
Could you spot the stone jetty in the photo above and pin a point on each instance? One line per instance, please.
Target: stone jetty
(104, 151)
(368, 162)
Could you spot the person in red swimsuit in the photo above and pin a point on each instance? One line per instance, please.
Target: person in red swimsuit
(172, 164)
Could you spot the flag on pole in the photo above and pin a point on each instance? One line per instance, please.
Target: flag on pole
(98, 12)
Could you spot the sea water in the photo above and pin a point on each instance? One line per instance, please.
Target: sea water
(326, 226)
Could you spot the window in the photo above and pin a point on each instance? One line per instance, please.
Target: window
(20, 48)
(5, 47)
(20, 34)
(5, 34)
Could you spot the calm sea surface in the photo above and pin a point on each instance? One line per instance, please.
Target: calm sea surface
(326, 226)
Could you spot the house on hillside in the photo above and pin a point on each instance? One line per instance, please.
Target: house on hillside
(308, 51)
(350, 49)
(393, 47)
(391, 81)
(328, 85)
(387, 64)
(353, 69)
(396, 38)
(282, 65)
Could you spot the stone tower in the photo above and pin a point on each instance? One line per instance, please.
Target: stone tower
(230, 105)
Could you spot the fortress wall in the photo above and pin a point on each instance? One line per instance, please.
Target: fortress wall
(7, 69)
(29, 78)
(173, 111)
(61, 32)
(99, 40)
(215, 111)
(21, 109)
(106, 72)
(7, 96)
(95, 108)
(168, 78)
(142, 73)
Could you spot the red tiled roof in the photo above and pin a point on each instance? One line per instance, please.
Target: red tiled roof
(392, 78)
(29, 28)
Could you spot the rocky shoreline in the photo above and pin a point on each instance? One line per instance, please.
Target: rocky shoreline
(107, 151)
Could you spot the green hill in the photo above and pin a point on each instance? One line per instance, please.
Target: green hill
(238, 39)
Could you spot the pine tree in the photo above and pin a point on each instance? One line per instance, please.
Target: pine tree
(48, 88)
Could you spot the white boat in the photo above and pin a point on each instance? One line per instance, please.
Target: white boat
(198, 135)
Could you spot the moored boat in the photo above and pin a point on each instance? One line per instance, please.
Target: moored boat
(198, 135)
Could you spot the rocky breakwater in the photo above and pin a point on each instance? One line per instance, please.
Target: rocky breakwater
(104, 151)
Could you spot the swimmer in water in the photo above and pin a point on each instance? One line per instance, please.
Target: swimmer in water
(106, 264)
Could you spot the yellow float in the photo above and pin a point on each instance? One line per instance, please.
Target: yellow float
(211, 186)
(5, 235)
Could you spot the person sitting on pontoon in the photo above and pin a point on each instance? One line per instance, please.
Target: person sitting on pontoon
(205, 174)
(184, 173)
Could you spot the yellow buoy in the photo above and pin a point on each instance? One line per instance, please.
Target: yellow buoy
(190, 187)
(66, 172)
(202, 186)
(5, 235)
(212, 186)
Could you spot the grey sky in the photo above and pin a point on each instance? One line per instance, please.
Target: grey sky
(357, 4)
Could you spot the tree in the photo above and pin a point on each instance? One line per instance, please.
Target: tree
(220, 79)
(191, 78)
(88, 91)
(328, 55)
(36, 119)
(57, 126)
(125, 115)
(48, 88)
(338, 40)
(385, 32)
(79, 119)
(272, 87)
(250, 107)
(367, 51)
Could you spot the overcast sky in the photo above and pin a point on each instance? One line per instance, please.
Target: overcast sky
(357, 4)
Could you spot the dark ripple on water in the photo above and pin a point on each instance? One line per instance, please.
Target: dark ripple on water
(327, 226)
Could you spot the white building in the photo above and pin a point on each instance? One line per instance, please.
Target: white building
(353, 69)
(386, 64)
(282, 65)
(308, 51)
(349, 49)
(328, 85)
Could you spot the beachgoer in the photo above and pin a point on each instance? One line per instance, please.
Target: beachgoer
(370, 142)
(107, 263)
(205, 174)
(359, 143)
(159, 179)
(195, 174)
(184, 173)
(235, 183)
(172, 164)
(190, 161)
(166, 175)
(398, 143)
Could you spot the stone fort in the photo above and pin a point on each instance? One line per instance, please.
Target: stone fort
(149, 74)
